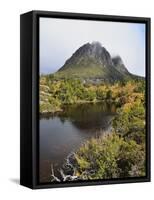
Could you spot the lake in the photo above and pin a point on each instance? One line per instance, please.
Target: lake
(65, 132)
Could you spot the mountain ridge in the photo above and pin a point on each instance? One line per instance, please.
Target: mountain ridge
(92, 61)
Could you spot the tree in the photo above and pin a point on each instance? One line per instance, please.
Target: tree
(109, 95)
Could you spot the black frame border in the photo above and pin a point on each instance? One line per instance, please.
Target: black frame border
(35, 96)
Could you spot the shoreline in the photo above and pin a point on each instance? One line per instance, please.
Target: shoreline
(59, 110)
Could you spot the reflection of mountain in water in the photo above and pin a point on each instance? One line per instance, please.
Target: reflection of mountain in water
(90, 117)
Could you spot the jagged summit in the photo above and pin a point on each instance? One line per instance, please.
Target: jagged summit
(93, 51)
(119, 65)
(93, 61)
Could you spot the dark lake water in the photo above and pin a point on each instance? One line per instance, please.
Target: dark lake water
(65, 132)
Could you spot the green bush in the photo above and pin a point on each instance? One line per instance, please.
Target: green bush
(101, 95)
(130, 122)
(110, 157)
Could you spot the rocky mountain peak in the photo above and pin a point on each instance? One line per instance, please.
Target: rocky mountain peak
(94, 51)
(119, 64)
(117, 60)
(93, 61)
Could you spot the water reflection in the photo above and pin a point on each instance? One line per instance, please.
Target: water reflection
(65, 132)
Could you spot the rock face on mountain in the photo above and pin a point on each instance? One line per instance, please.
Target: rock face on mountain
(89, 54)
(119, 65)
(94, 62)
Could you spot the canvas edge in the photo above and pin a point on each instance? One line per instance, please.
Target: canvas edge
(36, 14)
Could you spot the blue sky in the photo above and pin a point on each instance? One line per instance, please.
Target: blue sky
(60, 38)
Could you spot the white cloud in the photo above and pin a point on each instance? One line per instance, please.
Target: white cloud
(59, 38)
